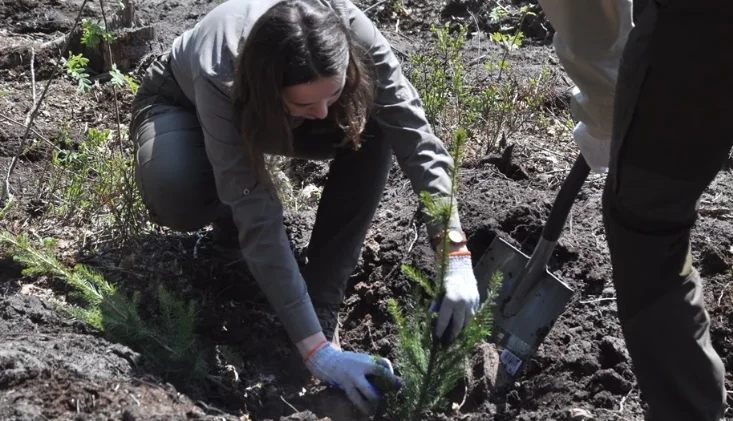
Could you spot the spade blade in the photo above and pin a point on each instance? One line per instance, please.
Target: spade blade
(518, 337)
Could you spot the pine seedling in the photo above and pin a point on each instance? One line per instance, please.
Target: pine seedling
(168, 340)
(430, 368)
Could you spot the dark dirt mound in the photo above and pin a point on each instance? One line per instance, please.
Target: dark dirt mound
(53, 368)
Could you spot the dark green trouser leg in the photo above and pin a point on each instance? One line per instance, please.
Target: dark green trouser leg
(672, 133)
(352, 193)
(172, 170)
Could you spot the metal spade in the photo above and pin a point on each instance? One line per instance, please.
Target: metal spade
(531, 298)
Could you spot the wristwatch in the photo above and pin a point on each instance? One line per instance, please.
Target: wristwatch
(455, 237)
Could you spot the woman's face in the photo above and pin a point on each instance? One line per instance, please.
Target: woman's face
(311, 100)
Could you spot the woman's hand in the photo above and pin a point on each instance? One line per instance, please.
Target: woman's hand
(348, 371)
(462, 300)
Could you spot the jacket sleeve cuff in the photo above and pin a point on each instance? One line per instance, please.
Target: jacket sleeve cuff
(300, 320)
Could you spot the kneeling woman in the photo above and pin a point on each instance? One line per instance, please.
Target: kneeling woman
(312, 79)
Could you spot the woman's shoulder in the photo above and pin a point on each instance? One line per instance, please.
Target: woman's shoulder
(364, 30)
(210, 48)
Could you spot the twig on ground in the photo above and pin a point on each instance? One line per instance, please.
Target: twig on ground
(414, 240)
(465, 395)
(288, 404)
(369, 329)
(623, 401)
(377, 4)
(211, 408)
(5, 193)
(143, 381)
(35, 132)
(33, 76)
(722, 291)
(555, 171)
(477, 59)
(610, 413)
(598, 300)
(133, 397)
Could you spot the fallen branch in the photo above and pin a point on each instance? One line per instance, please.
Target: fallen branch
(5, 193)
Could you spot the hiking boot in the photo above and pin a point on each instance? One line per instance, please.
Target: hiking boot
(328, 317)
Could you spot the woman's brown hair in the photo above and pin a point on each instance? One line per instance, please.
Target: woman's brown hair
(294, 42)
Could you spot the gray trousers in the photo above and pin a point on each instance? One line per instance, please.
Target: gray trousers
(672, 133)
(177, 185)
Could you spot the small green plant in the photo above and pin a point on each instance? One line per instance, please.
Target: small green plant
(9, 205)
(439, 78)
(168, 341)
(508, 41)
(92, 33)
(498, 108)
(121, 80)
(497, 13)
(76, 69)
(430, 368)
(93, 182)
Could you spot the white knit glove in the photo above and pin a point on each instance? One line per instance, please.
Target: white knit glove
(347, 371)
(461, 299)
(596, 151)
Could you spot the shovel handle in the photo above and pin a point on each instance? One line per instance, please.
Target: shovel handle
(535, 268)
(564, 200)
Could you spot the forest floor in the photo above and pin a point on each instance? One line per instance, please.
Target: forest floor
(54, 367)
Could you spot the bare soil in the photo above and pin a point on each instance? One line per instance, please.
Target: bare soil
(54, 368)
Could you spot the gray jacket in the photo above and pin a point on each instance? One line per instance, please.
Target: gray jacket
(203, 63)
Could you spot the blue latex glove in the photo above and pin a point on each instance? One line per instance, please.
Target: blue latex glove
(348, 370)
(461, 300)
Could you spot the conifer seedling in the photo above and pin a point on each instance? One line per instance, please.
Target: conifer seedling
(429, 368)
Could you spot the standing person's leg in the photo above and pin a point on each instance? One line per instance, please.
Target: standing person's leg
(354, 188)
(672, 134)
(172, 170)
